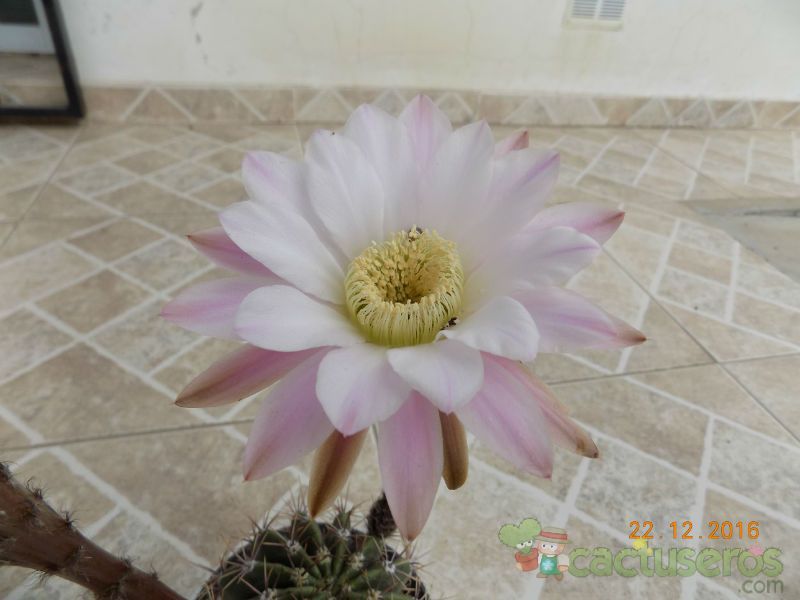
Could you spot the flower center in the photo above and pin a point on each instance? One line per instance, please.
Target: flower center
(404, 291)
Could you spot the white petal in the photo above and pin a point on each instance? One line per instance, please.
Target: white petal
(534, 259)
(595, 220)
(502, 326)
(281, 239)
(357, 387)
(567, 320)
(522, 181)
(428, 127)
(386, 144)
(209, 308)
(283, 318)
(269, 178)
(446, 372)
(507, 418)
(455, 188)
(289, 424)
(516, 141)
(345, 192)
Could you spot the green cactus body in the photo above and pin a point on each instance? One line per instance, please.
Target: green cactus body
(315, 560)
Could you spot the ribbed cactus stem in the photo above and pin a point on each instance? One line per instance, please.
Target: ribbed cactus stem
(35, 536)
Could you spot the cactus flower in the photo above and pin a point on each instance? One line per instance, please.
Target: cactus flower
(398, 276)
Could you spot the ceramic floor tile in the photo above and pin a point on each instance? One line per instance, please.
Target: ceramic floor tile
(585, 535)
(201, 469)
(221, 193)
(726, 340)
(55, 202)
(565, 466)
(80, 393)
(464, 515)
(164, 265)
(14, 204)
(773, 382)
(95, 179)
(115, 240)
(757, 468)
(128, 194)
(157, 340)
(31, 234)
(141, 198)
(32, 275)
(25, 339)
(92, 302)
(773, 533)
(649, 421)
(147, 161)
(623, 485)
(711, 388)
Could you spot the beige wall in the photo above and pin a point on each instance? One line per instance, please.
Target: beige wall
(712, 48)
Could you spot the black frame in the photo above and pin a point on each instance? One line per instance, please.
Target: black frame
(75, 108)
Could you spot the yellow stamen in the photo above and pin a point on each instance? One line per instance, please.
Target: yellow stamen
(404, 291)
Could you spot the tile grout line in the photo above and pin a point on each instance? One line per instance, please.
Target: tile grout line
(748, 163)
(77, 467)
(44, 445)
(712, 415)
(696, 168)
(134, 103)
(649, 160)
(773, 513)
(565, 510)
(732, 325)
(669, 314)
(689, 584)
(594, 161)
(101, 350)
(788, 520)
(758, 401)
(654, 284)
(730, 298)
(43, 183)
(735, 259)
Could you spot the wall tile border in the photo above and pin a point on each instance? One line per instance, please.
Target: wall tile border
(315, 105)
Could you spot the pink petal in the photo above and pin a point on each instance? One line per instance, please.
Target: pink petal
(446, 372)
(521, 184)
(279, 317)
(502, 326)
(386, 144)
(274, 178)
(289, 424)
(563, 430)
(597, 221)
(516, 141)
(357, 387)
(345, 191)
(505, 418)
(240, 374)
(411, 462)
(541, 258)
(220, 249)
(428, 127)
(281, 238)
(567, 320)
(210, 308)
(453, 191)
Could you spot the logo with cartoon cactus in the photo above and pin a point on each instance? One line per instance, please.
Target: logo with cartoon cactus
(537, 547)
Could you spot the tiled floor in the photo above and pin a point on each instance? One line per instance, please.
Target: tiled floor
(700, 422)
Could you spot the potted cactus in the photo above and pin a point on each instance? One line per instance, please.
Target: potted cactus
(304, 558)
